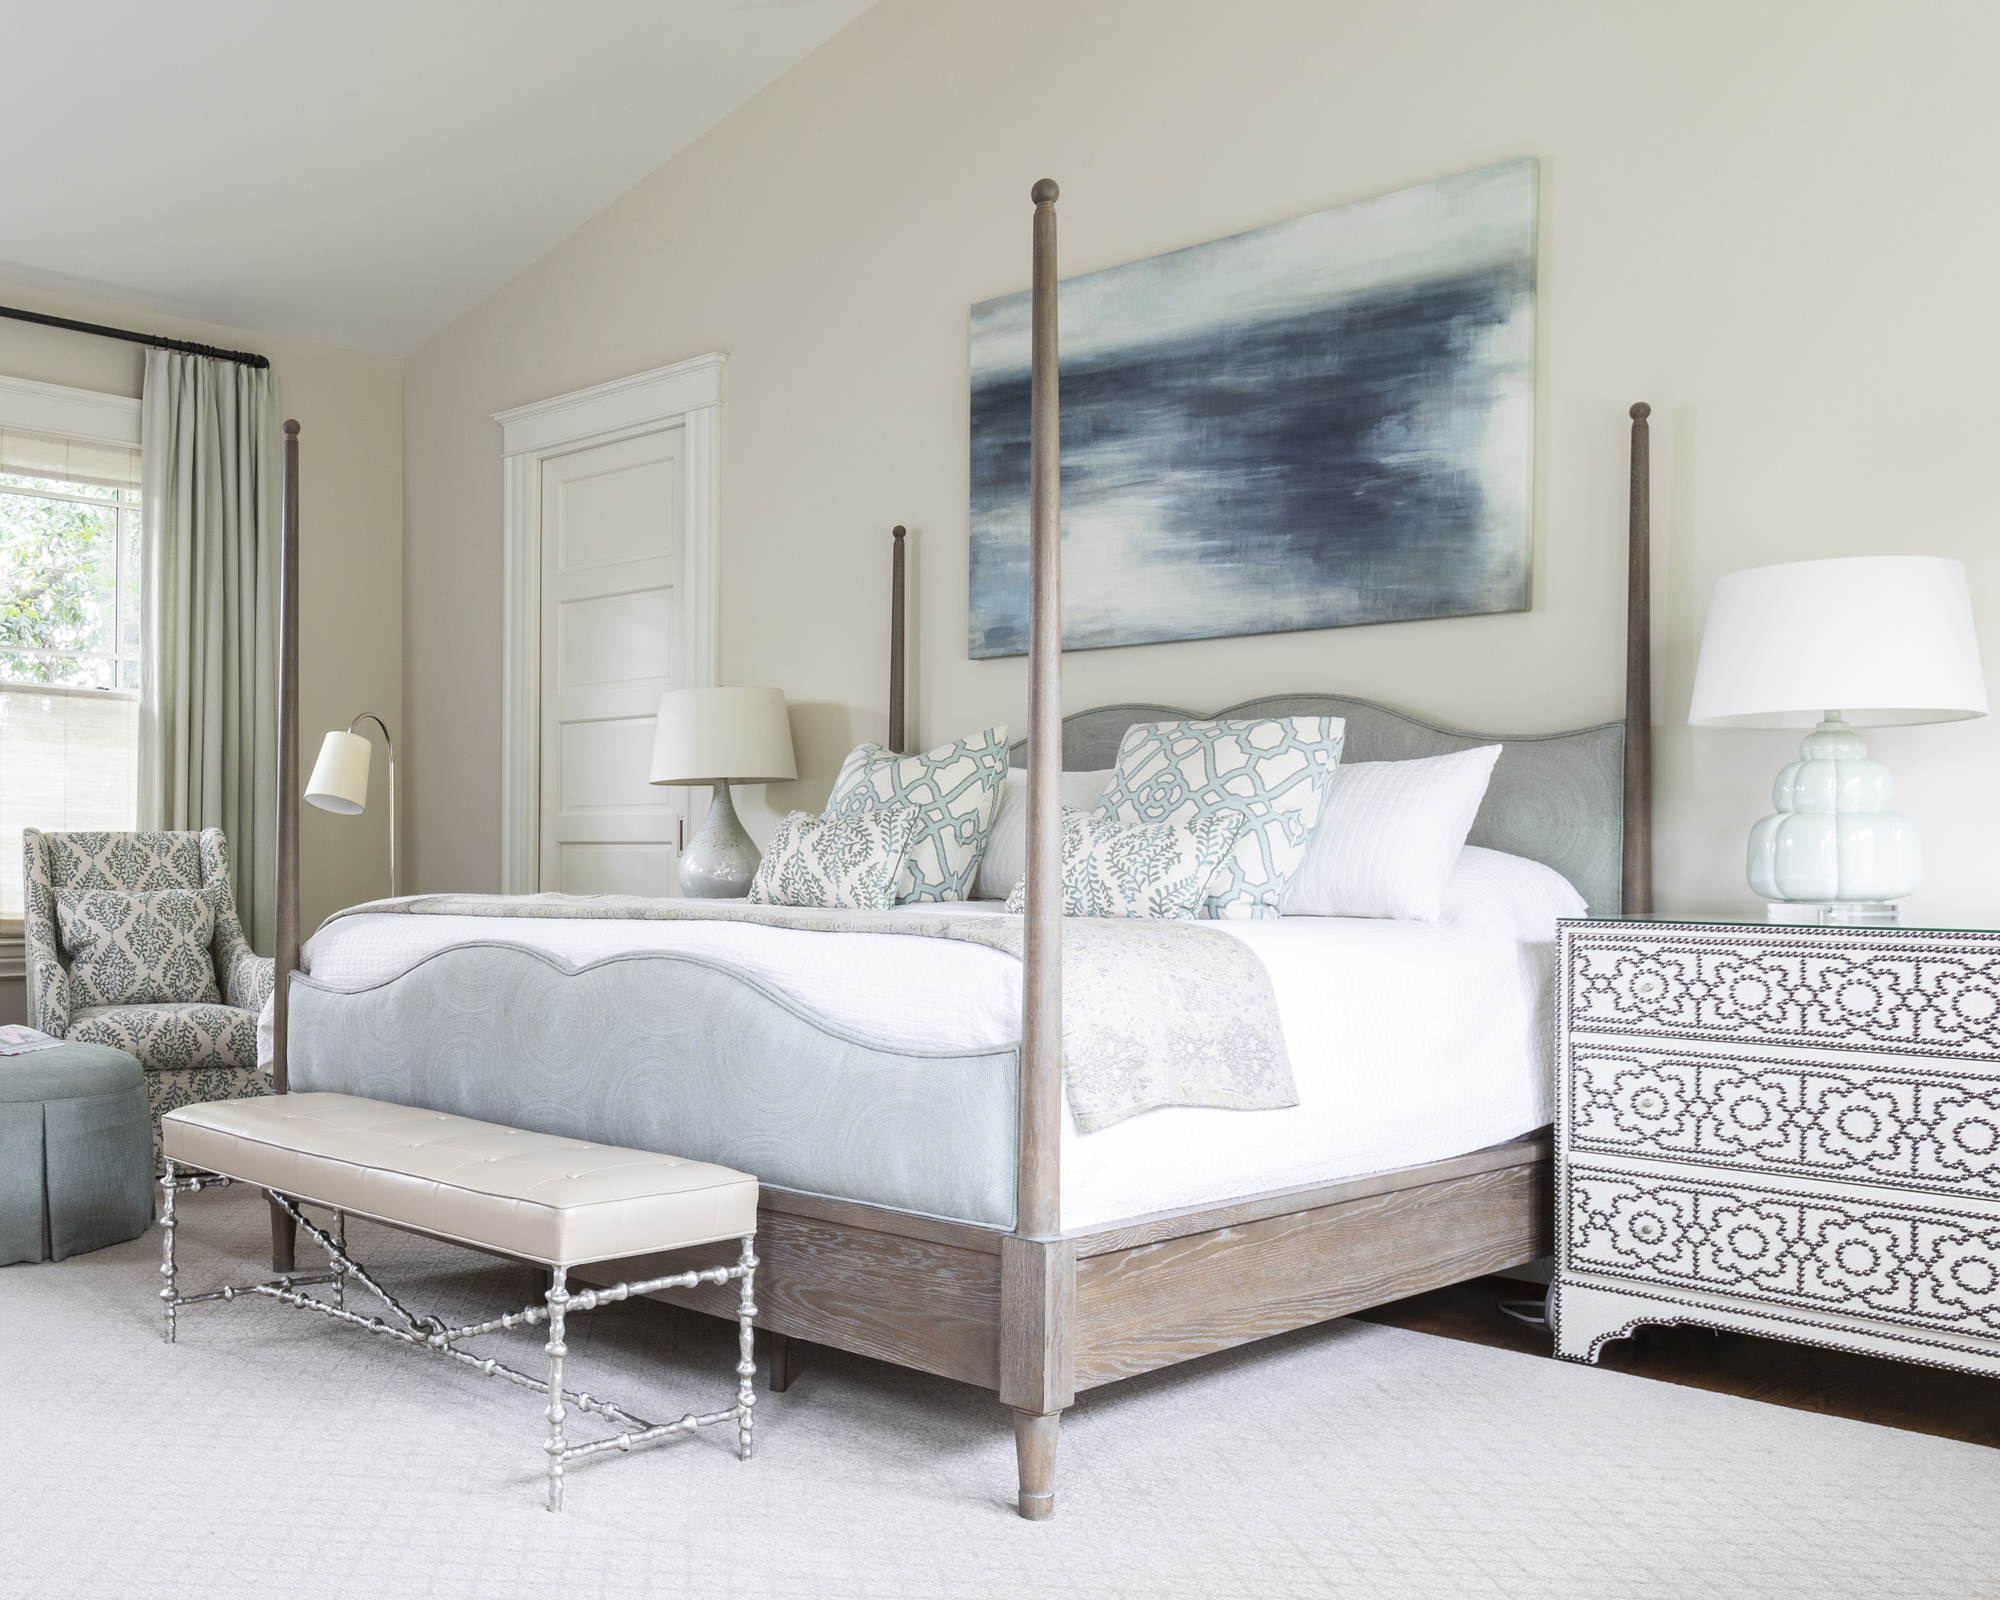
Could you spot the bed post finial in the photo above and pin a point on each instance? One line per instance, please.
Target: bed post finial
(1637, 896)
(1045, 193)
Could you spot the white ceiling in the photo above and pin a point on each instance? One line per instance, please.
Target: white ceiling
(360, 173)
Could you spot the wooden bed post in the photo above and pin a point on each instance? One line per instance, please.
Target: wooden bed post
(284, 1231)
(1637, 898)
(898, 665)
(1038, 1271)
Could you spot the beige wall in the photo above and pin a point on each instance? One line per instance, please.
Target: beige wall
(1774, 222)
(350, 413)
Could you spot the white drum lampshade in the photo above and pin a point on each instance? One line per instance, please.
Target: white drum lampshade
(716, 737)
(737, 735)
(1858, 641)
(340, 777)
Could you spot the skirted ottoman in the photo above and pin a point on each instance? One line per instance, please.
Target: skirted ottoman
(76, 1152)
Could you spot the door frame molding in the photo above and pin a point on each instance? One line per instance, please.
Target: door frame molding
(687, 394)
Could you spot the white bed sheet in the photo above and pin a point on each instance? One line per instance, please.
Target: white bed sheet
(1410, 1041)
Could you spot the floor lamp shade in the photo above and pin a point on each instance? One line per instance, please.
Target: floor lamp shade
(1866, 641)
(340, 777)
(716, 737)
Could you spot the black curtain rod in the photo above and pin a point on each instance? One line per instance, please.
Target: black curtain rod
(157, 341)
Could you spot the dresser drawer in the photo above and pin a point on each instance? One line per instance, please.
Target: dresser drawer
(1820, 1248)
(1909, 1123)
(1882, 990)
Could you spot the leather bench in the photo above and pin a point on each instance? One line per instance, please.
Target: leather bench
(556, 1202)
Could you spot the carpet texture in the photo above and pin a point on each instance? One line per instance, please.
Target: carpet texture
(277, 1455)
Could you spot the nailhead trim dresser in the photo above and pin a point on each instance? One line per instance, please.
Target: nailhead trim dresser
(1790, 1131)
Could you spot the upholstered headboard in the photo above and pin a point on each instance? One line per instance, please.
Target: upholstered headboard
(1557, 798)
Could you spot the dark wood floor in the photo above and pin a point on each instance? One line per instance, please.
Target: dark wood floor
(1953, 1405)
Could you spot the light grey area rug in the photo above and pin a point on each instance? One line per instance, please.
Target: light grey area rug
(274, 1455)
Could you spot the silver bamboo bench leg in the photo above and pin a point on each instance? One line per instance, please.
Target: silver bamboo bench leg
(558, 1299)
(631, 1203)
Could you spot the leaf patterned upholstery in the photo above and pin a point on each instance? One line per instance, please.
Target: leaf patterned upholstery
(200, 1051)
(139, 949)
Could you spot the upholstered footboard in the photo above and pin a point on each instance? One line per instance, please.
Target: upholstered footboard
(677, 1053)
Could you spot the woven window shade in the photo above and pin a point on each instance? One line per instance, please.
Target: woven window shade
(35, 455)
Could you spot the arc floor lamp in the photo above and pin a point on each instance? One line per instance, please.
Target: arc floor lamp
(339, 781)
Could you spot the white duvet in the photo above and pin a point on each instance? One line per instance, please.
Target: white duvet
(1410, 1041)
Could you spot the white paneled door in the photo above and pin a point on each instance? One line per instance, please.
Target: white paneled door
(612, 625)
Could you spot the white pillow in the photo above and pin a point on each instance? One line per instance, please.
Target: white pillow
(1006, 860)
(1389, 833)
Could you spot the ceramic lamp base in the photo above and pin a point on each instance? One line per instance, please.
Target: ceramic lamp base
(1833, 840)
(721, 859)
(1834, 912)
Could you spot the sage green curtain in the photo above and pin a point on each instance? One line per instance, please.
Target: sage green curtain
(208, 706)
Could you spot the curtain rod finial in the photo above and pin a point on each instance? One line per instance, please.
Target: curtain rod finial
(1641, 411)
(1045, 192)
(291, 429)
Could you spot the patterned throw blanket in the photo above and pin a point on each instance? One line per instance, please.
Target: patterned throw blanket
(1154, 1013)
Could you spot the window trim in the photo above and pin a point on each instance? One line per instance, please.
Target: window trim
(54, 409)
(80, 691)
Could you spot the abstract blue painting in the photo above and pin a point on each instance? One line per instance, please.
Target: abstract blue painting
(1324, 422)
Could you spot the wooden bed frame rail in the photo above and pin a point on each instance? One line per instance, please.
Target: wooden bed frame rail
(1039, 1314)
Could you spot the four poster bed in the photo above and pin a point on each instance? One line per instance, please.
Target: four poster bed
(924, 1200)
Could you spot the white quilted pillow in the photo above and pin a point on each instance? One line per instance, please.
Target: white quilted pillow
(1389, 833)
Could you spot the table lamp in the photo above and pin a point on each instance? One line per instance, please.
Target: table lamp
(339, 781)
(1859, 641)
(717, 737)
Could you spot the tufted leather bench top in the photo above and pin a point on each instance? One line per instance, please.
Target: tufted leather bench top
(557, 1201)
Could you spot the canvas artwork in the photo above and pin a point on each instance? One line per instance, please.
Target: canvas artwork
(1324, 422)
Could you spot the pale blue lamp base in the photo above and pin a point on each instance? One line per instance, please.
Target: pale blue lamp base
(721, 859)
(1834, 852)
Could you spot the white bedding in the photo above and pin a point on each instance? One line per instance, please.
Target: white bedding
(1410, 1041)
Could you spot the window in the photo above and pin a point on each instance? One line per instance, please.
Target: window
(69, 637)
(69, 583)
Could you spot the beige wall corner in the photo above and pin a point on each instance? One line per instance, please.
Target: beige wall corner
(350, 412)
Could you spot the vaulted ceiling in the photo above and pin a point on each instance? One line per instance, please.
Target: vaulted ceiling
(357, 174)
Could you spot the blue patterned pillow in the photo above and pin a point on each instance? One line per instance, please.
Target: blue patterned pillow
(1273, 770)
(955, 788)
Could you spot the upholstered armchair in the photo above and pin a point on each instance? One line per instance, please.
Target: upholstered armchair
(190, 1052)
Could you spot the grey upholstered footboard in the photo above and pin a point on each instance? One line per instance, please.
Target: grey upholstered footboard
(676, 1053)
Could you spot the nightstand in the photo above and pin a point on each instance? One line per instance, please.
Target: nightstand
(1791, 1131)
